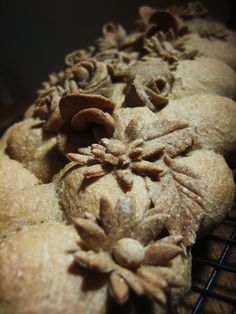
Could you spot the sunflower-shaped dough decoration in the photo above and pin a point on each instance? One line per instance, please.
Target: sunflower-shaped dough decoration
(131, 149)
(122, 245)
(117, 62)
(164, 45)
(77, 56)
(150, 151)
(122, 158)
(112, 37)
(189, 11)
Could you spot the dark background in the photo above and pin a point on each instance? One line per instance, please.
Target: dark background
(35, 36)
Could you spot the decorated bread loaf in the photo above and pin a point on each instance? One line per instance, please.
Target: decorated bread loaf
(118, 167)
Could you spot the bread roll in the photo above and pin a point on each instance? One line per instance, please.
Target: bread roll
(212, 116)
(204, 75)
(38, 275)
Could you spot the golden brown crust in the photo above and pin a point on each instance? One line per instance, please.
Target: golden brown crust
(142, 114)
(13, 176)
(218, 183)
(212, 116)
(204, 75)
(209, 28)
(38, 276)
(78, 197)
(35, 148)
(29, 113)
(31, 205)
(211, 48)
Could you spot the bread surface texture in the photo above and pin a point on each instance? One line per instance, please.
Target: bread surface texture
(118, 167)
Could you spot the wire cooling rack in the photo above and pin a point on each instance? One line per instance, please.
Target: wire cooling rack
(214, 270)
(214, 267)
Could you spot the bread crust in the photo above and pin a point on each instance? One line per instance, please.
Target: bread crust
(212, 116)
(118, 167)
(13, 175)
(35, 148)
(211, 48)
(204, 75)
(29, 206)
(37, 274)
(212, 27)
(217, 185)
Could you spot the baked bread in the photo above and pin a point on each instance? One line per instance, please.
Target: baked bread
(49, 264)
(212, 116)
(118, 167)
(214, 48)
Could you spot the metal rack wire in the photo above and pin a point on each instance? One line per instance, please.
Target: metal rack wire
(225, 239)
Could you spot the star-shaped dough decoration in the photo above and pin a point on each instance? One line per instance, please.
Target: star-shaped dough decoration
(165, 46)
(127, 249)
(151, 151)
(129, 152)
